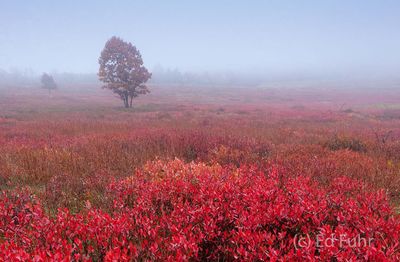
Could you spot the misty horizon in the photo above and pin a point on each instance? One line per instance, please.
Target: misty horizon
(276, 38)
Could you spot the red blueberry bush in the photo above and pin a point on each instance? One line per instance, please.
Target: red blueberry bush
(177, 211)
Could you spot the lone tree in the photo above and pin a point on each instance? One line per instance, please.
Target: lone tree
(48, 82)
(122, 70)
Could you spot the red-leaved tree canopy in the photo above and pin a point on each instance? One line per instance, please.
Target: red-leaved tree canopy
(122, 70)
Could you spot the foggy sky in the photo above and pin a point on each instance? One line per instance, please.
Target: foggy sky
(272, 36)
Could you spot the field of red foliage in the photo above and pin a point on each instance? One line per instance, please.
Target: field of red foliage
(242, 179)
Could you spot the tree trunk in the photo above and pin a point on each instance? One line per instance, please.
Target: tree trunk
(130, 103)
(125, 99)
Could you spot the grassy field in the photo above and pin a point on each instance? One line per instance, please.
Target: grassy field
(199, 173)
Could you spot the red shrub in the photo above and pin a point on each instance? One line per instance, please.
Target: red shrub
(174, 211)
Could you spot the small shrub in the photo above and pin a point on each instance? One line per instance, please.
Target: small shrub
(340, 143)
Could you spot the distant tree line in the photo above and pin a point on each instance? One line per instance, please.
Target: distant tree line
(163, 75)
(17, 77)
(160, 76)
